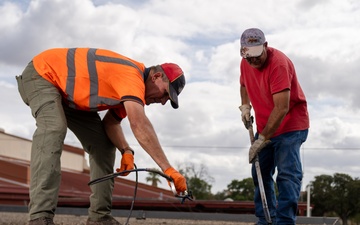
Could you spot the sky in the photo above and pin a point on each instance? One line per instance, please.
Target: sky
(202, 36)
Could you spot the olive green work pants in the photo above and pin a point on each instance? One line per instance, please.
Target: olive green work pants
(52, 119)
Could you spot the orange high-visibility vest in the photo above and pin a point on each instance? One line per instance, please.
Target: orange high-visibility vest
(93, 79)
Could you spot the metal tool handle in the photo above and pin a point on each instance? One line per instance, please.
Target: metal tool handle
(259, 176)
(262, 190)
(251, 134)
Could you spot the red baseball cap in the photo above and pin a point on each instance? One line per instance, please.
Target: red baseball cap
(177, 81)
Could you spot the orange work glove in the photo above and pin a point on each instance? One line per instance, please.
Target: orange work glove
(127, 163)
(179, 180)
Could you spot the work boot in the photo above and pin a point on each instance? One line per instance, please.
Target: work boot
(103, 221)
(42, 221)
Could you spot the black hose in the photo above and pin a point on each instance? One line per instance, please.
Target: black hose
(113, 175)
(187, 195)
(135, 191)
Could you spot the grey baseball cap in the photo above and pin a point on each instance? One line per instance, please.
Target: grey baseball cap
(252, 41)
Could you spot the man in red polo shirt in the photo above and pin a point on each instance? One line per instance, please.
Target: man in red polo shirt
(269, 85)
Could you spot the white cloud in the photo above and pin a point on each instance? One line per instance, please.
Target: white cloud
(203, 37)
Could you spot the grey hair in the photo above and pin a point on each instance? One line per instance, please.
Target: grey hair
(158, 68)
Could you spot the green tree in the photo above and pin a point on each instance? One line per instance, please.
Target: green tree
(321, 192)
(356, 219)
(221, 195)
(198, 180)
(200, 188)
(354, 191)
(153, 178)
(241, 190)
(343, 204)
(339, 194)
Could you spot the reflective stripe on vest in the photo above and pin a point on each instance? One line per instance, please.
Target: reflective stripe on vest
(94, 98)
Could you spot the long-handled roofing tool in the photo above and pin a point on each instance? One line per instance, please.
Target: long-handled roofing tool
(259, 176)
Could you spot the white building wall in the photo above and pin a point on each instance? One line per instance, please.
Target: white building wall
(19, 148)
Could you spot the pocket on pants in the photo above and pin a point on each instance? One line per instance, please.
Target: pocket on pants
(21, 89)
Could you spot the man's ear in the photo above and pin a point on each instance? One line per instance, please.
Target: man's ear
(156, 75)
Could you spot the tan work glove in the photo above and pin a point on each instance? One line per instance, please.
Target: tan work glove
(127, 162)
(257, 146)
(179, 180)
(245, 114)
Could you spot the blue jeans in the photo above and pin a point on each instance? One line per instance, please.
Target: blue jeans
(282, 153)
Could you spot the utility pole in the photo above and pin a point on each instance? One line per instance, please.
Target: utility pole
(308, 208)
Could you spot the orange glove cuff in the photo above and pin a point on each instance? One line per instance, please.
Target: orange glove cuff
(170, 171)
